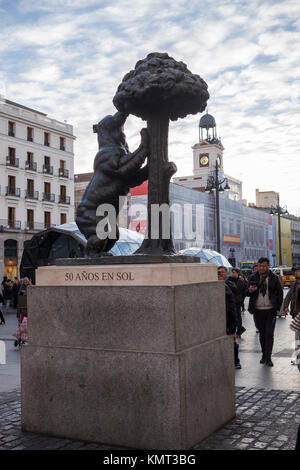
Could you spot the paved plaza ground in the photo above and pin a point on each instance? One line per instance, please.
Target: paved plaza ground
(267, 399)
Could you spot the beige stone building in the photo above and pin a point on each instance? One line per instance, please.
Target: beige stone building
(266, 199)
(81, 180)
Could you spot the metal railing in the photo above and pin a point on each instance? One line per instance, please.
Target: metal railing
(12, 161)
(7, 225)
(33, 226)
(49, 197)
(64, 199)
(63, 173)
(32, 166)
(30, 194)
(12, 191)
(48, 169)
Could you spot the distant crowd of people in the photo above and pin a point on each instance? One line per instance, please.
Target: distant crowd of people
(265, 293)
(10, 292)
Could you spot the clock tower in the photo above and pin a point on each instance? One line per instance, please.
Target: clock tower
(208, 150)
(206, 154)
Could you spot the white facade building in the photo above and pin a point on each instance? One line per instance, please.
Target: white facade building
(36, 178)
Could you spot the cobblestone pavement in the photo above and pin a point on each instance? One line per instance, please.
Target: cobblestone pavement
(13, 438)
(267, 400)
(265, 420)
(282, 376)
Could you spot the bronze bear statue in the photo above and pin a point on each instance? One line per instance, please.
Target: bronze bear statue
(116, 170)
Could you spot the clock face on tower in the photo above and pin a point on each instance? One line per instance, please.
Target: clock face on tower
(203, 160)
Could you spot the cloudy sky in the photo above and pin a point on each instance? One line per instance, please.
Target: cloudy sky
(67, 58)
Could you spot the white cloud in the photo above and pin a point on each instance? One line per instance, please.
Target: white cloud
(68, 57)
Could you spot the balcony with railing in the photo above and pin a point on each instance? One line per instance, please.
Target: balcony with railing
(63, 173)
(31, 166)
(48, 197)
(48, 225)
(9, 225)
(12, 191)
(64, 199)
(12, 161)
(47, 169)
(30, 194)
(31, 226)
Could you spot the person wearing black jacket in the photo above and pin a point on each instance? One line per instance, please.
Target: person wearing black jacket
(15, 291)
(7, 293)
(239, 296)
(293, 298)
(298, 440)
(290, 297)
(266, 295)
(2, 319)
(231, 322)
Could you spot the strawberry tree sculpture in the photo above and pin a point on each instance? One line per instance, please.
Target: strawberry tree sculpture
(158, 90)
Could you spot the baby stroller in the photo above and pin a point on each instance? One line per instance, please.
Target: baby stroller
(21, 334)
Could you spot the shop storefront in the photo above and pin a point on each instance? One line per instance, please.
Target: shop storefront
(10, 259)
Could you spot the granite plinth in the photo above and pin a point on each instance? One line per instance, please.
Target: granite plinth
(138, 366)
(139, 400)
(131, 275)
(125, 259)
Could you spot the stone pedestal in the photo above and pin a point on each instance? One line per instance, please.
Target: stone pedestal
(142, 366)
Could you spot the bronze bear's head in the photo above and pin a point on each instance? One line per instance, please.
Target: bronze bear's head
(110, 130)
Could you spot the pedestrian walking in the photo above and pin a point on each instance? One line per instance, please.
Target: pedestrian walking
(295, 326)
(292, 299)
(22, 299)
(2, 319)
(298, 440)
(293, 295)
(23, 287)
(7, 294)
(245, 279)
(4, 281)
(231, 322)
(254, 270)
(266, 295)
(239, 296)
(15, 289)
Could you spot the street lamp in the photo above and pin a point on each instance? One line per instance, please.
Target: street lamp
(278, 210)
(213, 182)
